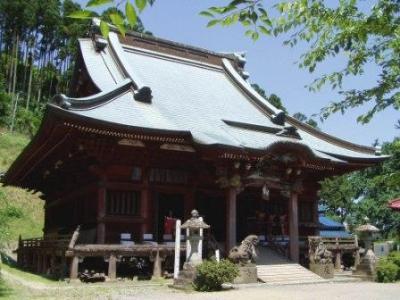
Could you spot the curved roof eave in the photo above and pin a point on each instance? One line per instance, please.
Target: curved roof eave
(246, 87)
(70, 103)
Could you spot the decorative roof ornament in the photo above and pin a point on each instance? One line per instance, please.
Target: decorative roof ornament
(144, 94)
(240, 58)
(289, 131)
(279, 118)
(100, 44)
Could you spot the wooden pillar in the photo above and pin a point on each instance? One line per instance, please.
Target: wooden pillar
(101, 212)
(112, 267)
(293, 227)
(52, 264)
(145, 204)
(338, 260)
(39, 263)
(73, 270)
(63, 267)
(45, 263)
(316, 215)
(230, 240)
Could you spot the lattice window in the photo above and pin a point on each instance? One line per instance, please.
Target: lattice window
(168, 176)
(125, 203)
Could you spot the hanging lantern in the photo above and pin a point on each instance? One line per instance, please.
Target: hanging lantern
(265, 193)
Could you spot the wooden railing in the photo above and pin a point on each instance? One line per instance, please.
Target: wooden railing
(59, 241)
(336, 243)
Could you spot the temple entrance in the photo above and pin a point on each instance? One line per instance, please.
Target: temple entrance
(268, 218)
(168, 208)
(213, 210)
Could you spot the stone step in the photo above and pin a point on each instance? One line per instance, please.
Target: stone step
(276, 270)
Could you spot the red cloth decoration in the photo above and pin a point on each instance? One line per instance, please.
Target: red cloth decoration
(169, 225)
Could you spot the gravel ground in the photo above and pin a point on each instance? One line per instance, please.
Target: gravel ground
(351, 291)
(26, 289)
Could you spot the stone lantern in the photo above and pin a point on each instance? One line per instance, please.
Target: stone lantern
(367, 267)
(367, 234)
(194, 248)
(194, 238)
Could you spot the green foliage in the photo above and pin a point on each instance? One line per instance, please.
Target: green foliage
(360, 35)
(113, 15)
(387, 271)
(338, 194)
(212, 274)
(367, 193)
(394, 257)
(273, 99)
(303, 118)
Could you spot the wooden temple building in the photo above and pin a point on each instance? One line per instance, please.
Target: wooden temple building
(153, 129)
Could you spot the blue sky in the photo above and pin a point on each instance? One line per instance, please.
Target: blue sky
(272, 66)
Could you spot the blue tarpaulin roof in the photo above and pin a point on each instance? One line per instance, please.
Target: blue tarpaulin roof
(327, 223)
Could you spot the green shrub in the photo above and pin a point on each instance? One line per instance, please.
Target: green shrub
(386, 271)
(212, 274)
(394, 257)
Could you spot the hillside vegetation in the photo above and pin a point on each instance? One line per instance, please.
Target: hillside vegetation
(21, 211)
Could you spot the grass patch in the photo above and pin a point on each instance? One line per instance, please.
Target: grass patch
(5, 291)
(29, 276)
(31, 206)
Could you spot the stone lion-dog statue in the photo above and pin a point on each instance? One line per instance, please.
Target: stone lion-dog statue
(245, 253)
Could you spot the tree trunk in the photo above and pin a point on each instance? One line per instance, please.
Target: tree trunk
(28, 97)
(14, 113)
(15, 66)
(11, 66)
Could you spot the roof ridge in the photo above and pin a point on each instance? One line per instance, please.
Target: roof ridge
(96, 24)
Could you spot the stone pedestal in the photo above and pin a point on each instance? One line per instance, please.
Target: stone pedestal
(367, 266)
(186, 276)
(247, 274)
(324, 270)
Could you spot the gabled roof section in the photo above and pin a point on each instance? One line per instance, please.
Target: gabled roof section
(161, 85)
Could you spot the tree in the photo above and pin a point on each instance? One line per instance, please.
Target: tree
(366, 193)
(273, 99)
(362, 36)
(303, 118)
(338, 194)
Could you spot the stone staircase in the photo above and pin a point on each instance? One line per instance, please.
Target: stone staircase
(274, 269)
